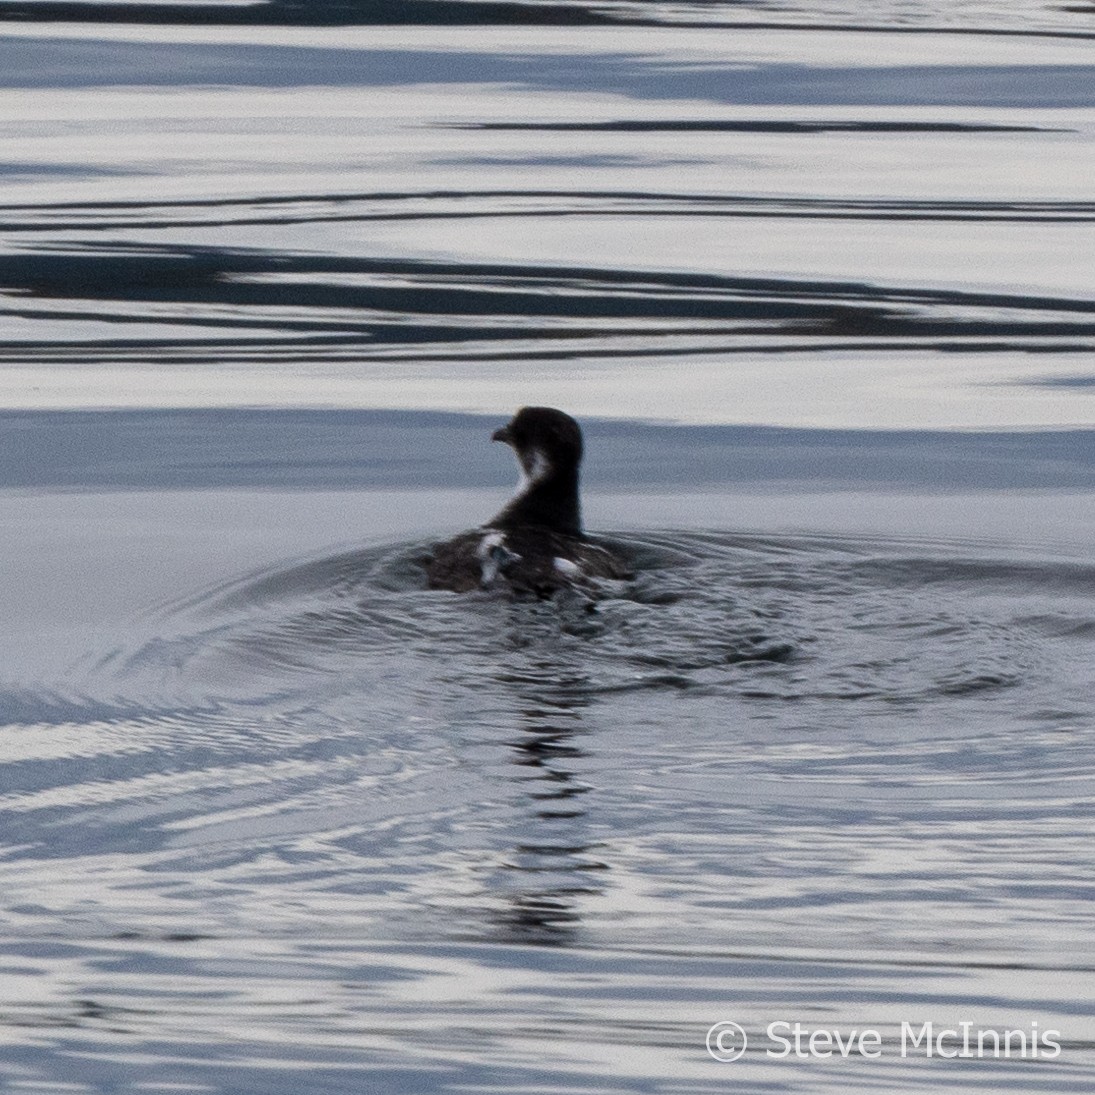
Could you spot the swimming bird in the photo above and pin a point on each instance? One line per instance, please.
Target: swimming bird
(535, 545)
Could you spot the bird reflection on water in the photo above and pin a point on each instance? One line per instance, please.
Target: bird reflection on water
(557, 864)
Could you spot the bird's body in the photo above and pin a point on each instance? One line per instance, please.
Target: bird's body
(529, 560)
(535, 545)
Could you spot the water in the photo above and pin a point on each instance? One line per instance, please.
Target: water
(816, 280)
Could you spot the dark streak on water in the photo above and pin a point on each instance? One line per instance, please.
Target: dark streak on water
(449, 205)
(325, 450)
(316, 13)
(76, 64)
(1032, 20)
(747, 126)
(378, 306)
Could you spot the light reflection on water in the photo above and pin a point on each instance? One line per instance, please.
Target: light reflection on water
(320, 829)
(756, 733)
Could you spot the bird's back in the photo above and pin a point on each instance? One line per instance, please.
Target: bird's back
(525, 560)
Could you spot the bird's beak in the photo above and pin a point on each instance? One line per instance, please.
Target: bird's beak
(502, 434)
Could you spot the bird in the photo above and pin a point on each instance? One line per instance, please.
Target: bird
(535, 545)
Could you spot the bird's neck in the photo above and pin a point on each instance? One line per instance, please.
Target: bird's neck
(551, 503)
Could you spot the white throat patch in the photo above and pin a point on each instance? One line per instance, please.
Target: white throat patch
(534, 467)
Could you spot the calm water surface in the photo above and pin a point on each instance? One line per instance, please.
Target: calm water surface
(817, 281)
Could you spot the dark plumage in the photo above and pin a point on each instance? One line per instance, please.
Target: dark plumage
(535, 544)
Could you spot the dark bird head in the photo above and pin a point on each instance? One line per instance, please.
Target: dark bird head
(548, 446)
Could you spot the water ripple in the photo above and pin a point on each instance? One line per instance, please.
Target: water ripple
(745, 713)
